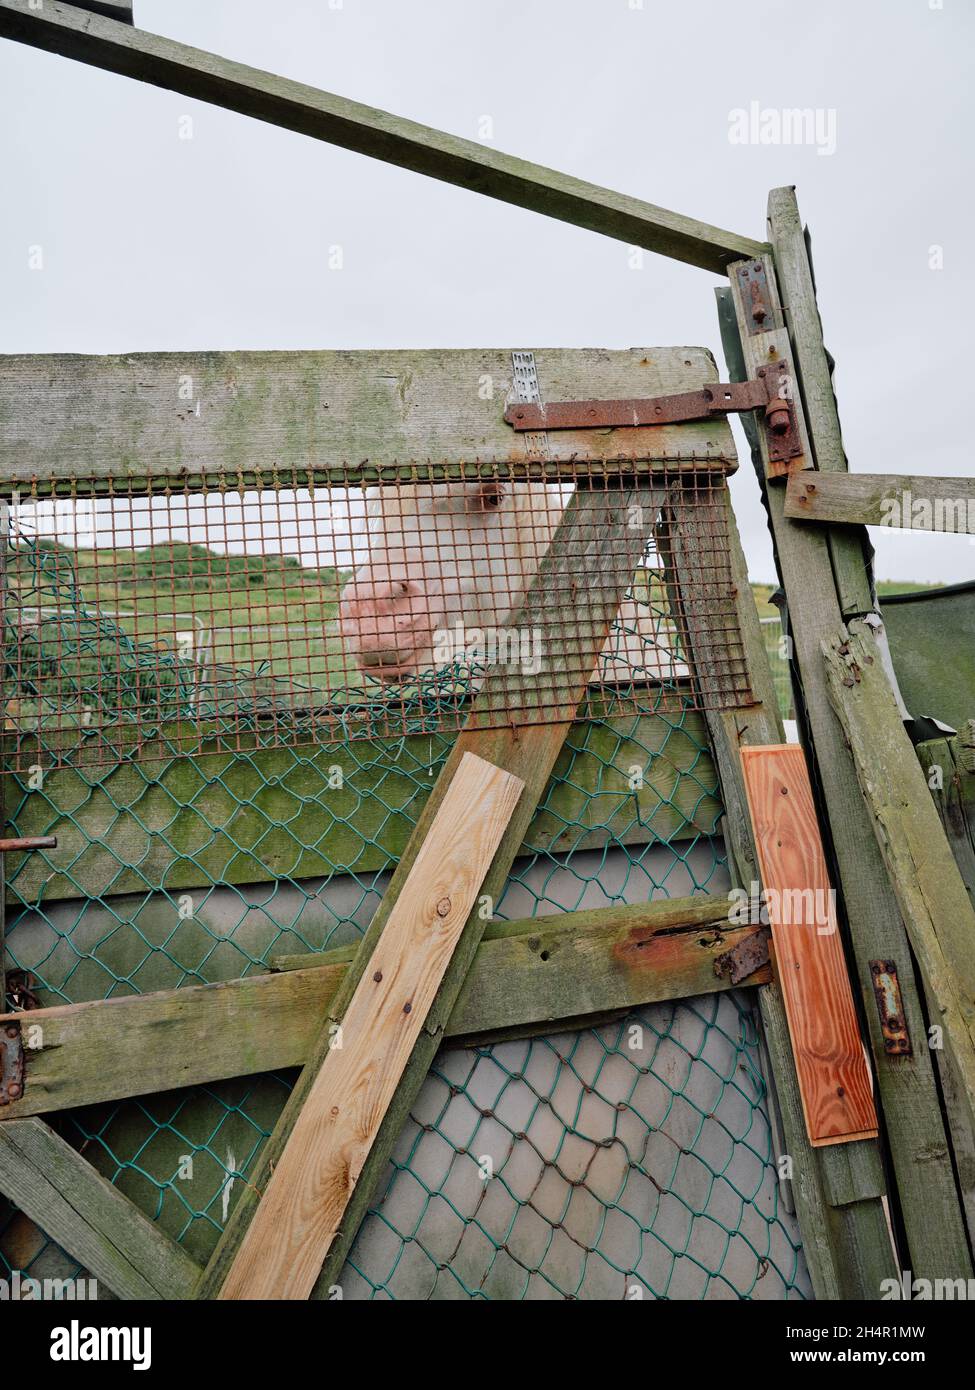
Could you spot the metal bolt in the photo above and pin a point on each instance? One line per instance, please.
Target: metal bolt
(777, 414)
(13, 1090)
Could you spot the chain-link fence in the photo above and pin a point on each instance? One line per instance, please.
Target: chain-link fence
(214, 812)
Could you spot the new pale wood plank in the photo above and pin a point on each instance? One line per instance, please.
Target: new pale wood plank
(810, 965)
(301, 1209)
(899, 500)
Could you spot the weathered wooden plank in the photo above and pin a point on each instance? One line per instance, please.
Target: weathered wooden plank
(849, 551)
(58, 1189)
(914, 1124)
(810, 965)
(294, 419)
(303, 1205)
(249, 814)
(528, 974)
(952, 787)
(175, 66)
(585, 549)
(937, 911)
(899, 500)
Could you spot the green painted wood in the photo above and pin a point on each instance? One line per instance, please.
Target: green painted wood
(897, 500)
(294, 419)
(58, 1189)
(849, 550)
(249, 814)
(206, 77)
(932, 646)
(528, 976)
(907, 1088)
(584, 545)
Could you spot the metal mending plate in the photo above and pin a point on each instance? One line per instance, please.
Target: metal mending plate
(893, 1025)
(11, 1064)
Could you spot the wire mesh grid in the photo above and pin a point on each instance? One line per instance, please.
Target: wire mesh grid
(165, 614)
(186, 857)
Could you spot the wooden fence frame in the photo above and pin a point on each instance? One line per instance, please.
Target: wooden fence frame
(825, 575)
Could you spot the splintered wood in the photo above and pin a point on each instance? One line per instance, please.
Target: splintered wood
(302, 1206)
(834, 1082)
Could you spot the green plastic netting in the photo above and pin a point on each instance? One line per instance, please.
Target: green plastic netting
(632, 1159)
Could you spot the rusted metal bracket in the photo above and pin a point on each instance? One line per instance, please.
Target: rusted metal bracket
(770, 393)
(893, 1025)
(32, 842)
(744, 959)
(11, 1063)
(753, 283)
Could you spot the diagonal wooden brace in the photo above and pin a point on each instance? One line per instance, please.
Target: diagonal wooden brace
(599, 543)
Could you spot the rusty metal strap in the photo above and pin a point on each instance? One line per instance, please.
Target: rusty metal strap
(719, 399)
(770, 392)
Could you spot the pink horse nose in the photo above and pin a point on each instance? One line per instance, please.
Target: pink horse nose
(386, 623)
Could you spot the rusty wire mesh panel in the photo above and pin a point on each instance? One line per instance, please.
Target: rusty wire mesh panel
(228, 785)
(161, 616)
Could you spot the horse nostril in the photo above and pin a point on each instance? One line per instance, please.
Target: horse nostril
(403, 587)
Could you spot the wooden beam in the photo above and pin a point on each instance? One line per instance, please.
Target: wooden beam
(92, 1220)
(913, 1120)
(595, 536)
(899, 500)
(120, 10)
(65, 30)
(530, 975)
(810, 966)
(937, 911)
(303, 1204)
(349, 418)
(849, 550)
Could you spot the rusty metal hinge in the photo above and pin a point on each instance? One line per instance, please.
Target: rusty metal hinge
(11, 1063)
(770, 393)
(890, 1006)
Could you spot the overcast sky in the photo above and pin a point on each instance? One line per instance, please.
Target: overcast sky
(151, 241)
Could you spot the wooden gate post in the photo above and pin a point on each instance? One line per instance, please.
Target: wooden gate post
(929, 1202)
